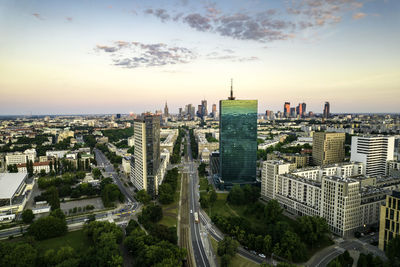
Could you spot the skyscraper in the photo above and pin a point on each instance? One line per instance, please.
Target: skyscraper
(299, 110)
(326, 110)
(286, 109)
(328, 148)
(374, 152)
(147, 153)
(303, 108)
(238, 141)
(204, 109)
(214, 109)
(166, 113)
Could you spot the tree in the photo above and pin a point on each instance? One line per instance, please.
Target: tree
(267, 245)
(392, 251)
(272, 211)
(19, 254)
(12, 168)
(52, 198)
(236, 195)
(27, 216)
(143, 197)
(213, 197)
(312, 229)
(291, 247)
(166, 193)
(29, 168)
(47, 227)
(58, 213)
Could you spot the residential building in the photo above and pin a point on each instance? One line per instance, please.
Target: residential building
(37, 167)
(348, 200)
(147, 153)
(238, 141)
(374, 152)
(389, 224)
(393, 168)
(328, 148)
(19, 157)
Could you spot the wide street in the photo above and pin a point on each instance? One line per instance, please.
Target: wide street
(190, 167)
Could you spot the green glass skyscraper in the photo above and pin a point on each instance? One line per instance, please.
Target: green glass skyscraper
(238, 141)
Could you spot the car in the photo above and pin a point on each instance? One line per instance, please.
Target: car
(253, 252)
(261, 255)
(191, 211)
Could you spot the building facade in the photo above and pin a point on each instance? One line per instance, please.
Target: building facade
(339, 193)
(389, 226)
(238, 141)
(374, 152)
(328, 148)
(147, 153)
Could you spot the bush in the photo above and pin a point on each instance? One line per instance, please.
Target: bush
(27, 216)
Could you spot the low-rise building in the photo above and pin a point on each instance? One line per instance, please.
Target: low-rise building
(14, 192)
(37, 167)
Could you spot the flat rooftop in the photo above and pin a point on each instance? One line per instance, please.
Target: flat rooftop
(9, 183)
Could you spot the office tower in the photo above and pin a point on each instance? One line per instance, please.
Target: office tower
(180, 112)
(192, 111)
(286, 109)
(199, 111)
(292, 112)
(204, 109)
(166, 112)
(303, 109)
(328, 148)
(269, 114)
(326, 110)
(374, 152)
(214, 109)
(389, 223)
(147, 153)
(238, 141)
(299, 110)
(118, 116)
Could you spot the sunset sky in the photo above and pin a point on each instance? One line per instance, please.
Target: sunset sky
(78, 57)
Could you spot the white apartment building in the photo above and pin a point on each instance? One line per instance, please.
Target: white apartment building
(131, 141)
(20, 158)
(139, 170)
(339, 193)
(374, 152)
(56, 153)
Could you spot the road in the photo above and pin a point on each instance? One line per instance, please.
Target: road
(322, 258)
(103, 162)
(190, 167)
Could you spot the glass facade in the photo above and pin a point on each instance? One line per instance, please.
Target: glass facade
(238, 141)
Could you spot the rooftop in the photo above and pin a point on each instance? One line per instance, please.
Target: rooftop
(9, 183)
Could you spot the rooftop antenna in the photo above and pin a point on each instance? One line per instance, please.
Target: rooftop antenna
(231, 97)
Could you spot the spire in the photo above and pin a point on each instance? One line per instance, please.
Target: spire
(231, 97)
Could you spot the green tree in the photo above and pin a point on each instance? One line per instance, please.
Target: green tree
(47, 227)
(267, 246)
(272, 211)
(143, 197)
(236, 195)
(166, 193)
(312, 229)
(20, 254)
(52, 198)
(213, 197)
(392, 251)
(27, 216)
(58, 213)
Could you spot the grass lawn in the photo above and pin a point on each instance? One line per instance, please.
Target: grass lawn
(203, 184)
(237, 261)
(170, 211)
(76, 239)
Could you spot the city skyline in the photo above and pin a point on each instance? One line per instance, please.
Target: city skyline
(121, 57)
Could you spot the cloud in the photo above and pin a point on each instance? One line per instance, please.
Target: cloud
(38, 16)
(159, 13)
(69, 19)
(136, 54)
(228, 54)
(359, 15)
(198, 22)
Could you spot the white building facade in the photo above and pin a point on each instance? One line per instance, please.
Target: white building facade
(374, 152)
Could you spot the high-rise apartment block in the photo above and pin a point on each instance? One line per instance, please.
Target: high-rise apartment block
(389, 222)
(328, 148)
(238, 141)
(339, 193)
(374, 152)
(146, 154)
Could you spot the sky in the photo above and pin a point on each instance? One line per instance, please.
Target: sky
(101, 57)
